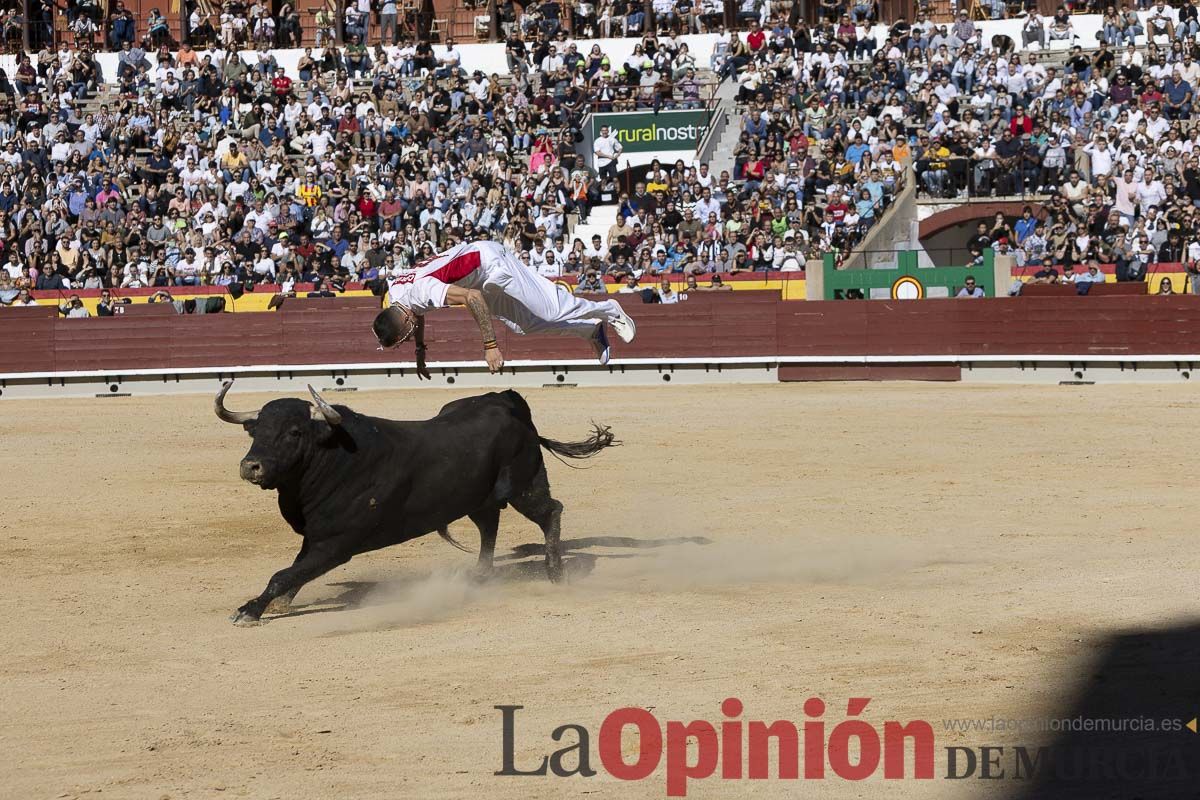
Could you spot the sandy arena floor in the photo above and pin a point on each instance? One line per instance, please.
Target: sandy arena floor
(947, 550)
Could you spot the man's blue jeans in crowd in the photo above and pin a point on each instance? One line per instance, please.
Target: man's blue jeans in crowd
(935, 180)
(1182, 112)
(633, 22)
(1186, 29)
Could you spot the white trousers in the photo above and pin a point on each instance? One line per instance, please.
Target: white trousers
(529, 303)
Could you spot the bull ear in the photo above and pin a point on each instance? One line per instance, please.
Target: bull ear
(322, 409)
(224, 414)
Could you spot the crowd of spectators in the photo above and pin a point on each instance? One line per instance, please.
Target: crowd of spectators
(187, 167)
(1103, 138)
(386, 21)
(219, 168)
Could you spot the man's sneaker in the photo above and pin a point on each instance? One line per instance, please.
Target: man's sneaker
(624, 326)
(600, 344)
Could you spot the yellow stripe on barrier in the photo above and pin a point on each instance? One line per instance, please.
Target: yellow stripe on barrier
(790, 289)
(250, 301)
(257, 301)
(1179, 281)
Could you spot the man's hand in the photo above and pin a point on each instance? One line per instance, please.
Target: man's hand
(495, 360)
(422, 370)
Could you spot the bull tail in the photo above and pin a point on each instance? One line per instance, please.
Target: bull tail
(602, 437)
(445, 534)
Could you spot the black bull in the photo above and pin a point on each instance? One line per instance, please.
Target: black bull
(350, 484)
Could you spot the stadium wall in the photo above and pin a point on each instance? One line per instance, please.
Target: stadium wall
(730, 336)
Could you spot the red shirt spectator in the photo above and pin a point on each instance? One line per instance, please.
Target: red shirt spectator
(282, 84)
(755, 169)
(756, 38)
(306, 250)
(1020, 123)
(366, 206)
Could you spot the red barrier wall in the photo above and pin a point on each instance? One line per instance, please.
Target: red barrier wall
(751, 324)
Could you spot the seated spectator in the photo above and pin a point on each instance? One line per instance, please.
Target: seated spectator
(74, 308)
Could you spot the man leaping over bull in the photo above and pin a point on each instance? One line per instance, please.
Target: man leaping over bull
(489, 281)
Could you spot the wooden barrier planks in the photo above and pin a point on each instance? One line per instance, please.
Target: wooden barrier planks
(226, 340)
(106, 343)
(707, 325)
(26, 339)
(836, 327)
(320, 305)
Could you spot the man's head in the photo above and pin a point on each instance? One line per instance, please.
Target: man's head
(393, 326)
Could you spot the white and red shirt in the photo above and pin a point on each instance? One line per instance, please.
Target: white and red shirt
(464, 265)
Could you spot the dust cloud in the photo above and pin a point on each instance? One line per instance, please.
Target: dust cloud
(602, 566)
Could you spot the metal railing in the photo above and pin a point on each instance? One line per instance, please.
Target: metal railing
(967, 178)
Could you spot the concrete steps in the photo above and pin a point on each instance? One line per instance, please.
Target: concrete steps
(599, 221)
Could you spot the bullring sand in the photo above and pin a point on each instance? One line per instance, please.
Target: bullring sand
(946, 550)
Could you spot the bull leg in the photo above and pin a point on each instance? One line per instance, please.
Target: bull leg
(539, 507)
(283, 602)
(315, 562)
(488, 522)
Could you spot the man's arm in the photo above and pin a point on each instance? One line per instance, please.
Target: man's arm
(419, 337)
(473, 300)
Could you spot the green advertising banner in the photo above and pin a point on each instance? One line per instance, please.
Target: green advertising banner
(907, 281)
(643, 132)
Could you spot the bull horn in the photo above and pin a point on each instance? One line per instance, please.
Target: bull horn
(322, 409)
(224, 414)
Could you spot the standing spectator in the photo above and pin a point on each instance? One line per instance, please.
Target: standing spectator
(387, 22)
(607, 150)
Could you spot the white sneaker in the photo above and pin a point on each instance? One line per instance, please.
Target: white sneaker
(624, 326)
(600, 344)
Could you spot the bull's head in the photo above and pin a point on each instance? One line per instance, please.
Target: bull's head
(283, 432)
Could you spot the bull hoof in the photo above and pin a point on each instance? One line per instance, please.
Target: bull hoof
(280, 605)
(245, 620)
(480, 575)
(555, 573)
